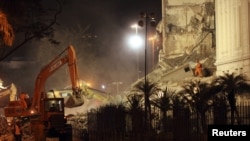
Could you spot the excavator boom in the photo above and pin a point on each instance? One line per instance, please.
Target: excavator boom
(53, 66)
(15, 108)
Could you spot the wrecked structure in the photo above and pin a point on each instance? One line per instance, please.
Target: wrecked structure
(188, 33)
(7, 94)
(211, 31)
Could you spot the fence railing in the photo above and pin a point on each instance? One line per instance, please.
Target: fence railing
(179, 129)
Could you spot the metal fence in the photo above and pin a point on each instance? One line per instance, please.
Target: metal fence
(179, 128)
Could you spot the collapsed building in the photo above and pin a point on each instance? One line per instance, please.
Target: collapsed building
(211, 31)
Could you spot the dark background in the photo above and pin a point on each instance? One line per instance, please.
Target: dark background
(98, 30)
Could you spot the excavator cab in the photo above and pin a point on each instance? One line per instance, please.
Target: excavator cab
(52, 120)
(53, 105)
(54, 112)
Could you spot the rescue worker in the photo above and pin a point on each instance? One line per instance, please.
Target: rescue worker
(23, 96)
(198, 69)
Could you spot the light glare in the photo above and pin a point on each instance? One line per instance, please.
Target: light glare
(135, 41)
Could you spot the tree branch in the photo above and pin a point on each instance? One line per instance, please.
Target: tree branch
(36, 33)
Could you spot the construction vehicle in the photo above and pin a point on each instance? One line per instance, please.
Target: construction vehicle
(43, 117)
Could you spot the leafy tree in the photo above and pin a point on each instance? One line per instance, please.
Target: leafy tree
(30, 20)
(233, 84)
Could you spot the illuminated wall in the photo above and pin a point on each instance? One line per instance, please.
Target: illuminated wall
(231, 24)
(187, 28)
(232, 36)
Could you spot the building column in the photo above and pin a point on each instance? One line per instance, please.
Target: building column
(232, 36)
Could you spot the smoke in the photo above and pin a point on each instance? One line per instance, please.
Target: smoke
(96, 33)
(97, 30)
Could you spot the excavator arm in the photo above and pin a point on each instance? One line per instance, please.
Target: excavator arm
(49, 69)
(39, 91)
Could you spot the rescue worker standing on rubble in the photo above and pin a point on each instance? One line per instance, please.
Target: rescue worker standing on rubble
(198, 68)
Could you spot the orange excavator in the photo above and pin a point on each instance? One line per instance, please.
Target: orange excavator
(47, 113)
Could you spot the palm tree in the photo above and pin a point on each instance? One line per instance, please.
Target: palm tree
(148, 89)
(136, 112)
(164, 103)
(6, 30)
(199, 96)
(181, 117)
(233, 84)
(220, 109)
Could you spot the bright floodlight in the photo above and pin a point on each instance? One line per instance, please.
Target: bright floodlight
(135, 41)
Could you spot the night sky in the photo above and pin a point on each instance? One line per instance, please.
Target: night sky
(98, 29)
(103, 27)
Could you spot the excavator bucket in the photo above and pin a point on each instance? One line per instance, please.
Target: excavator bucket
(74, 100)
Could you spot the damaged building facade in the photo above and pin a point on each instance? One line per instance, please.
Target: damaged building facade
(216, 32)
